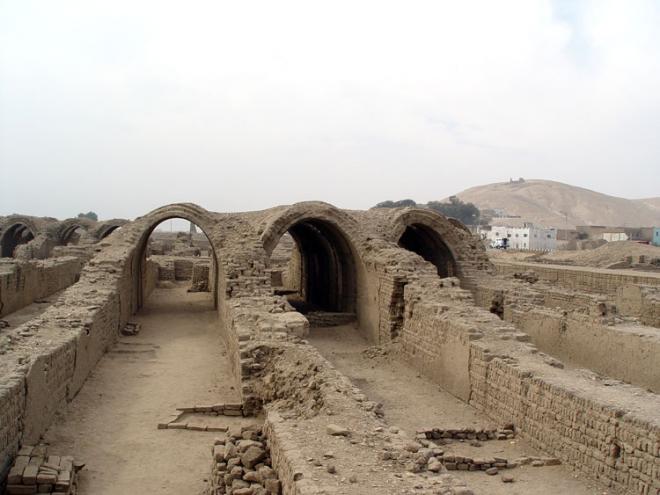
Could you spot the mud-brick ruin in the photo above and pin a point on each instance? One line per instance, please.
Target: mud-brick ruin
(348, 352)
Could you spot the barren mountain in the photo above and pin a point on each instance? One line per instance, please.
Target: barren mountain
(555, 204)
(654, 203)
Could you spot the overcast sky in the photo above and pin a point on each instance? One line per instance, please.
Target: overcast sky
(122, 106)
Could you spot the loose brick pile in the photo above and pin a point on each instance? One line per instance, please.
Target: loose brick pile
(481, 434)
(225, 409)
(34, 471)
(242, 464)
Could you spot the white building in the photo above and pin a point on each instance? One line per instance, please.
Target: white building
(615, 236)
(527, 237)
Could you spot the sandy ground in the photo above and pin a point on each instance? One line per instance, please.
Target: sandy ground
(602, 257)
(412, 402)
(176, 360)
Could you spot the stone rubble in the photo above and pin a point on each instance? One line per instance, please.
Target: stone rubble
(131, 329)
(242, 464)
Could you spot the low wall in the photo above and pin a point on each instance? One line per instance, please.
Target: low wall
(580, 423)
(179, 267)
(611, 433)
(580, 278)
(640, 301)
(152, 275)
(23, 282)
(433, 346)
(49, 357)
(628, 353)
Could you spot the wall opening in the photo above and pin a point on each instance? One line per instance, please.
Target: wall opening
(174, 258)
(73, 235)
(314, 267)
(13, 237)
(427, 243)
(109, 230)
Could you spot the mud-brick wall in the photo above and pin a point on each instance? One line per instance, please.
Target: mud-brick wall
(166, 270)
(436, 348)
(602, 441)
(292, 273)
(580, 278)
(152, 275)
(68, 342)
(641, 301)
(292, 469)
(23, 282)
(227, 314)
(47, 383)
(582, 428)
(57, 374)
(183, 269)
(631, 354)
(200, 273)
(12, 406)
(391, 305)
(570, 301)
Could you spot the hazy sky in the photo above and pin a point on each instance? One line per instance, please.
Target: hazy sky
(122, 106)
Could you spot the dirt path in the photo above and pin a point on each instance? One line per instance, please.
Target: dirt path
(176, 360)
(413, 402)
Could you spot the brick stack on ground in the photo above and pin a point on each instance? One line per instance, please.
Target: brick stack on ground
(34, 471)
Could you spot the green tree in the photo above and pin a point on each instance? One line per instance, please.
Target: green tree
(465, 212)
(396, 204)
(90, 214)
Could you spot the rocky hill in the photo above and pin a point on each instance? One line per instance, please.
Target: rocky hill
(555, 204)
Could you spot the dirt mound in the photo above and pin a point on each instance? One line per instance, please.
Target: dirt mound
(607, 255)
(622, 254)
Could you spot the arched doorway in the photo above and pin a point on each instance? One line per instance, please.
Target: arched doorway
(13, 237)
(428, 243)
(313, 265)
(72, 235)
(174, 258)
(105, 232)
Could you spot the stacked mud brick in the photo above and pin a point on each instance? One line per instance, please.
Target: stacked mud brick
(242, 464)
(165, 268)
(482, 434)
(34, 471)
(200, 276)
(224, 409)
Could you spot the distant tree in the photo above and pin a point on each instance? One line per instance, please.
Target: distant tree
(90, 214)
(465, 212)
(396, 204)
(486, 216)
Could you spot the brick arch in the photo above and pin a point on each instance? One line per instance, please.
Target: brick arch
(443, 241)
(107, 227)
(10, 228)
(142, 228)
(328, 241)
(284, 219)
(65, 228)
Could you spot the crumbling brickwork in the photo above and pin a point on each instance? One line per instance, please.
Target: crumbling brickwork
(610, 432)
(23, 282)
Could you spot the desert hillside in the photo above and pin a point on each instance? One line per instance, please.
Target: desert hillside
(654, 203)
(555, 204)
